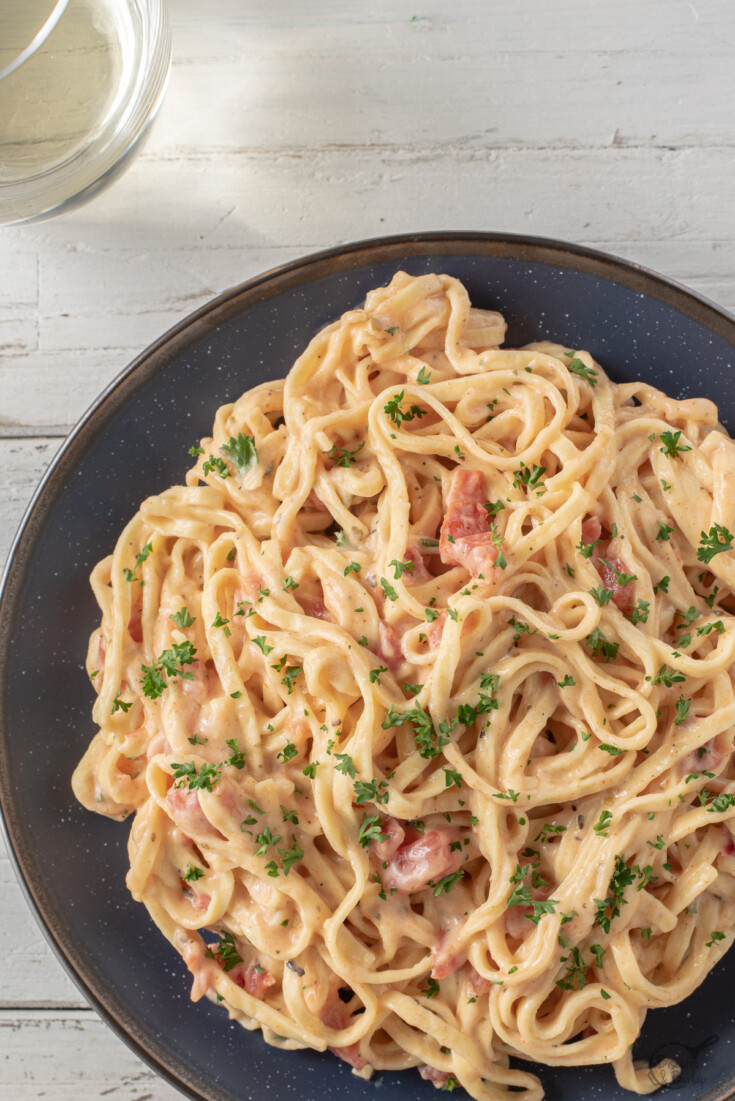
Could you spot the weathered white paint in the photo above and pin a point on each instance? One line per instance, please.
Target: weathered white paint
(294, 126)
(68, 1056)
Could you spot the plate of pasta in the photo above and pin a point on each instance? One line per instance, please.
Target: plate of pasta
(410, 666)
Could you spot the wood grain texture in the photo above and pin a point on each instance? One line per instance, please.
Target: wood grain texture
(295, 126)
(70, 1056)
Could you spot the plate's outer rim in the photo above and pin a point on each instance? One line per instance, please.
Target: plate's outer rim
(231, 302)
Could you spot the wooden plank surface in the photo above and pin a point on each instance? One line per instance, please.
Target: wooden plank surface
(295, 126)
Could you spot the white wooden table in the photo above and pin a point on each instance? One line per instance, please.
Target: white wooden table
(296, 125)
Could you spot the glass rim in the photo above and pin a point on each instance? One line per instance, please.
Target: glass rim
(38, 39)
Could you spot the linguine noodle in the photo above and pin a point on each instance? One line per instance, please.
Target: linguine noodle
(420, 692)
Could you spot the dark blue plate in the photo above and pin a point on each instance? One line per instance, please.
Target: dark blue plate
(133, 443)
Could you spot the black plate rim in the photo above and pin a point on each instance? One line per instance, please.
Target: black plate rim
(267, 285)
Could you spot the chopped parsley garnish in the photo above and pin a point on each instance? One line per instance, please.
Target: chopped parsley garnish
(290, 675)
(714, 937)
(568, 682)
(671, 445)
(447, 882)
(511, 795)
(219, 621)
(719, 539)
(265, 840)
(342, 456)
(388, 589)
(623, 578)
(428, 742)
(399, 568)
(577, 367)
(310, 770)
(288, 752)
(664, 532)
(451, 776)
(352, 567)
(260, 642)
(431, 989)
(186, 774)
(289, 583)
(598, 952)
(371, 830)
(374, 674)
(369, 790)
(225, 952)
(292, 856)
(717, 626)
(521, 895)
(585, 549)
(193, 873)
(721, 803)
(599, 644)
(609, 908)
(346, 765)
(182, 618)
(639, 614)
(170, 664)
(667, 677)
(120, 705)
(130, 575)
(528, 477)
(216, 464)
(494, 507)
(241, 452)
(601, 825)
(682, 710)
(398, 415)
(602, 596)
(545, 831)
(423, 377)
(663, 585)
(613, 750)
(237, 756)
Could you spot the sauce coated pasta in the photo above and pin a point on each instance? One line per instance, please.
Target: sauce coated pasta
(420, 692)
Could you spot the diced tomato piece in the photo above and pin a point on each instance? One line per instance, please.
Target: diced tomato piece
(420, 572)
(465, 538)
(336, 1014)
(710, 758)
(431, 1074)
(188, 815)
(135, 623)
(445, 959)
(591, 529)
(204, 970)
(427, 858)
(622, 594)
(350, 1055)
(606, 564)
(389, 645)
(386, 850)
(254, 979)
(477, 984)
(315, 607)
(436, 630)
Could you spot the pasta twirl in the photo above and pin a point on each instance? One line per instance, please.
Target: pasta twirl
(420, 692)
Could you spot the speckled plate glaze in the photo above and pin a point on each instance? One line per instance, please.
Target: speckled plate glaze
(133, 442)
